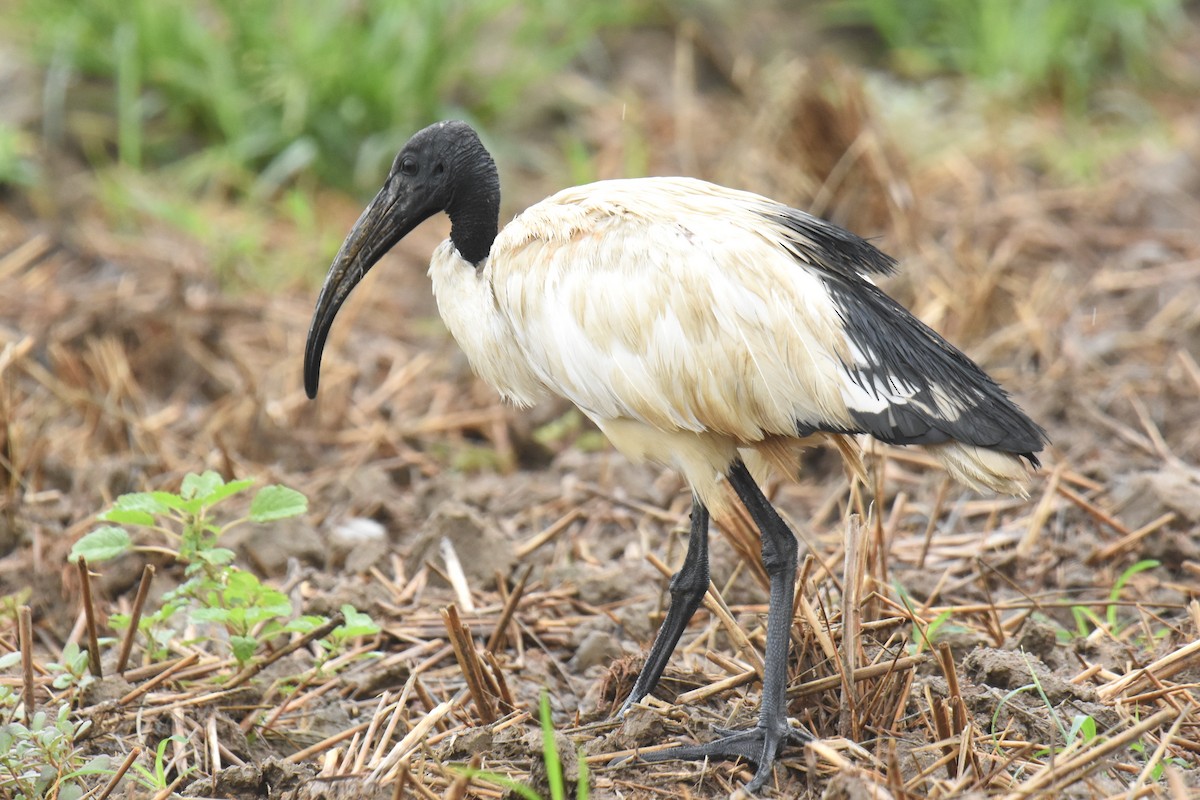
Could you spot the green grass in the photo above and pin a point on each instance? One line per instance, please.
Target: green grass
(248, 95)
(553, 764)
(1022, 48)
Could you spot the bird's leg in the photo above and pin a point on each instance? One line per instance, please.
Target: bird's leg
(762, 743)
(688, 586)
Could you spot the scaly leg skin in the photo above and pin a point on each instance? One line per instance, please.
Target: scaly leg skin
(763, 743)
(688, 586)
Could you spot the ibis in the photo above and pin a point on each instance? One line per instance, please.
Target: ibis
(699, 327)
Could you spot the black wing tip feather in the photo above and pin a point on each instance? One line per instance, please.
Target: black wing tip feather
(831, 246)
(906, 348)
(903, 348)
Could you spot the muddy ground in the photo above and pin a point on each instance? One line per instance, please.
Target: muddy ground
(126, 365)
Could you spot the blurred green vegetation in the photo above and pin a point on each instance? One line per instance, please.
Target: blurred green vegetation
(180, 106)
(244, 95)
(1022, 49)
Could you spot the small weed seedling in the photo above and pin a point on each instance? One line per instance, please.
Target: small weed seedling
(215, 594)
(554, 769)
(1086, 619)
(157, 780)
(40, 759)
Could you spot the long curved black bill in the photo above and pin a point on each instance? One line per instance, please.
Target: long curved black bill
(377, 230)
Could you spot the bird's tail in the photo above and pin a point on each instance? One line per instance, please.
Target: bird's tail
(983, 469)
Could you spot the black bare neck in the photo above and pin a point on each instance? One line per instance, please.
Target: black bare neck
(474, 206)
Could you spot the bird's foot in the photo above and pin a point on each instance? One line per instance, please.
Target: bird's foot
(762, 744)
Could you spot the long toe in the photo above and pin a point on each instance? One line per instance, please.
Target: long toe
(760, 745)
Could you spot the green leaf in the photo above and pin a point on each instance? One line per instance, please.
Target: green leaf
(269, 608)
(217, 556)
(554, 771)
(127, 517)
(200, 487)
(171, 501)
(243, 647)
(277, 502)
(304, 624)
(1082, 725)
(212, 614)
(130, 508)
(231, 488)
(502, 781)
(10, 659)
(101, 545)
(70, 791)
(357, 624)
(97, 765)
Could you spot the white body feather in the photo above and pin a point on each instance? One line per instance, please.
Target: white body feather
(673, 314)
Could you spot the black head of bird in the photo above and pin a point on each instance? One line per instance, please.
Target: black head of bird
(444, 167)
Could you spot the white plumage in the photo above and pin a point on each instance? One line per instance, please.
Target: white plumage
(676, 320)
(695, 325)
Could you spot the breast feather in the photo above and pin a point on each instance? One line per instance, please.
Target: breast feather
(685, 321)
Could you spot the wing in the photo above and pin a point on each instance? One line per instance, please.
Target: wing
(690, 307)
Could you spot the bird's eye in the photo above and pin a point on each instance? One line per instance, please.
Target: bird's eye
(408, 166)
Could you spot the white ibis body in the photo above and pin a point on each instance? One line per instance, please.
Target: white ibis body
(694, 325)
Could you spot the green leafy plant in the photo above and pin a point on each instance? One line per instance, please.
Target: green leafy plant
(215, 594)
(39, 759)
(1022, 47)
(1086, 620)
(1156, 774)
(156, 779)
(1083, 726)
(249, 95)
(72, 670)
(553, 762)
(926, 635)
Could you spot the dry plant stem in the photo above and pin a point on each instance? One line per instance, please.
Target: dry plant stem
(1161, 750)
(458, 789)
(1041, 514)
(376, 719)
(468, 662)
(401, 781)
(716, 606)
(406, 745)
(557, 527)
(946, 657)
(938, 503)
(853, 567)
(1095, 511)
(89, 613)
(25, 635)
(496, 640)
(1060, 772)
(1127, 542)
(863, 673)
(169, 790)
(458, 578)
(158, 680)
(732, 682)
(1165, 667)
(496, 676)
(325, 744)
(135, 617)
(120, 773)
(319, 632)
